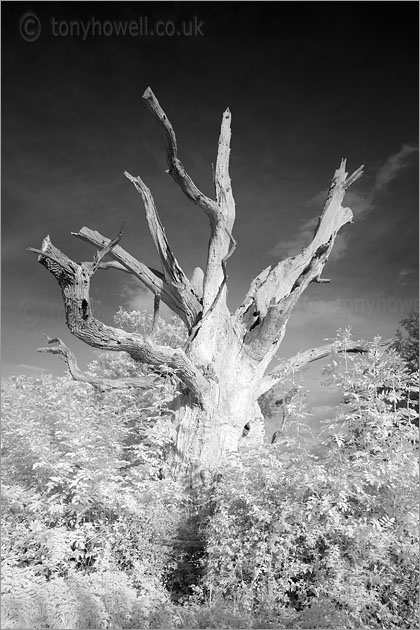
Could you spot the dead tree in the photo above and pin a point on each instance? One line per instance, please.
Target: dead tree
(223, 368)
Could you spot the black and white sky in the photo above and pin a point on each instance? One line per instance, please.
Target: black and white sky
(307, 84)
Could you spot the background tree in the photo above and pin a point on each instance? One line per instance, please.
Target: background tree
(407, 340)
(222, 368)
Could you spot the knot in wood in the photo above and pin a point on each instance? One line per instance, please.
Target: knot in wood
(209, 372)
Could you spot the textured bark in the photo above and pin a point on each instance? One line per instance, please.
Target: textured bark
(103, 384)
(222, 367)
(74, 280)
(188, 311)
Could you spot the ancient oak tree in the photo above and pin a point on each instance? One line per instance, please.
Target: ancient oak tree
(223, 368)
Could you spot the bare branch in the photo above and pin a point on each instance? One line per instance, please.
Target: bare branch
(302, 359)
(224, 196)
(319, 280)
(103, 384)
(222, 244)
(113, 264)
(74, 280)
(188, 310)
(353, 178)
(264, 313)
(134, 266)
(174, 275)
(176, 169)
(54, 256)
(221, 211)
(100, 255)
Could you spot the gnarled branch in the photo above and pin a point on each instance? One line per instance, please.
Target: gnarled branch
(302, 359)
(101, 254)
(103, 384)
(273, 294)
(220, 211)
(175, 167)
(74, 280)
(173, 273)
(188, 309)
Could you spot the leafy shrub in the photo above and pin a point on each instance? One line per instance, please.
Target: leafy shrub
(331, 538)
(96, 534)
(84, 495)
(99, 600)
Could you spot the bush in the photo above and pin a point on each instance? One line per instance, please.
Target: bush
(327, 539)
(86, 504)
(100, 600)
(95, 534)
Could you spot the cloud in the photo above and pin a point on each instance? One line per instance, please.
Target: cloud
(294, 245)
(137, 298)
(361, 203)
(393, 166)
(404, 273)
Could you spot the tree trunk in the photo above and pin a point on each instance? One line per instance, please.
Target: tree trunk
(230, 413)
(222, 367)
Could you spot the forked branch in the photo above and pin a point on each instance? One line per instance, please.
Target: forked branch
(101, 254)
(175, 167)
(220, 211)
(273, 294)
(188, 308)
(74, 280)
(173, 273)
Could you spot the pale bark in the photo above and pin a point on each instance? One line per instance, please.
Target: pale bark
(74, 280)
(267, 307)
(284, 404)
(175, 167)
(221, 369)
(103, 384)
(173, 274)
(154, 280)
(302, 359)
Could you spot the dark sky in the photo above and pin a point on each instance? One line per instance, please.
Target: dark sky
(307, 83)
